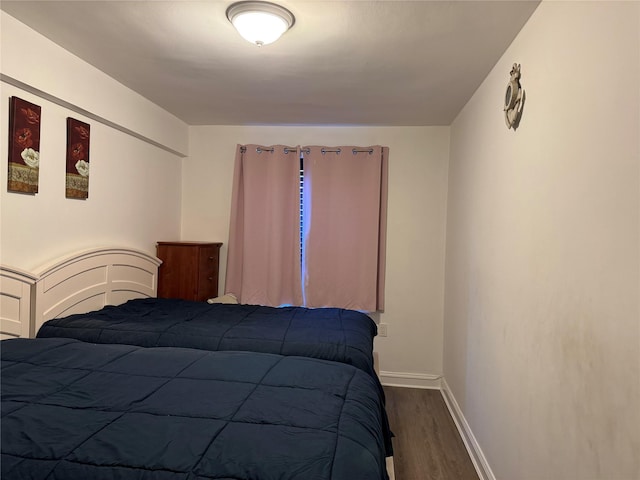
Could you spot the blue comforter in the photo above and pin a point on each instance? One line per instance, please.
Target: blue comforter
(75, 410)
(335, 334)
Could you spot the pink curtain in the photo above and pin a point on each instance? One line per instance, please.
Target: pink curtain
(263, 262)
(345, 231)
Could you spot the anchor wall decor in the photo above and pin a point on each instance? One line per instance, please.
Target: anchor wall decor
(514, 99)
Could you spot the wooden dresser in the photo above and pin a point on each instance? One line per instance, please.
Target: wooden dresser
(189, 270)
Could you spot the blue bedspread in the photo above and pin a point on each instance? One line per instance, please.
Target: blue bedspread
(75, 410)
(328, 333)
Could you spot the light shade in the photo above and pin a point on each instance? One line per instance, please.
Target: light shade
(260, 23)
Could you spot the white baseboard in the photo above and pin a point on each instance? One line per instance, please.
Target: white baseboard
(411, 380)
(475, 452)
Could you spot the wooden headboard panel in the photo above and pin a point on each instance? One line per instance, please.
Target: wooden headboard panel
(92, 279)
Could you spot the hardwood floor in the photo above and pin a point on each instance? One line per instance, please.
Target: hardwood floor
(427, 445)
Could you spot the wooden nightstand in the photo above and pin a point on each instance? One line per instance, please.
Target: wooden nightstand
(189, 270)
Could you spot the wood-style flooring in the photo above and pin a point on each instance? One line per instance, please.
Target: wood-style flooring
(427, 445)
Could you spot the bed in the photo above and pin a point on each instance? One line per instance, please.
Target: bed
(104, 300)
(108, 296)
(335, 334)
(76, 410)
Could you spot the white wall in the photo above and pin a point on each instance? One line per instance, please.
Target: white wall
(542, 320)
(416, 223)
(134, 187)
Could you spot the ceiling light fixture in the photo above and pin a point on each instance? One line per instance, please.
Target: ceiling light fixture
(260, 23)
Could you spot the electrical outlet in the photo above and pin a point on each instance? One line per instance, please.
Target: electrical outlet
(382, 330)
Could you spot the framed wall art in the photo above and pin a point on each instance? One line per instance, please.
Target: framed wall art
(24, 146)
(77, 181)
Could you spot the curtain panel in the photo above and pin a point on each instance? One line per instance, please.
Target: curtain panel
(345, 197)
(341, 262)
(263, 261)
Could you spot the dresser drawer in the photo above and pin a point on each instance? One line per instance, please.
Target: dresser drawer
(208, 273)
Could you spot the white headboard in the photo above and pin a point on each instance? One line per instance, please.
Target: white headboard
(16, 302)
(92, 279)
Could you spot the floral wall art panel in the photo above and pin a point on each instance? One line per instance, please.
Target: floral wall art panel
(77, 159)
(24, 146)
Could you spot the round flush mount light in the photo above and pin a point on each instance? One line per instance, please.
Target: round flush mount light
(260, 23)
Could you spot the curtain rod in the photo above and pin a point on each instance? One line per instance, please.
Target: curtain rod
(354, 151)
(307, 150)
(267, 149)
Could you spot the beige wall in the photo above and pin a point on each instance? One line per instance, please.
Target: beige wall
(134, 190)
(416, 216)
(542, 321)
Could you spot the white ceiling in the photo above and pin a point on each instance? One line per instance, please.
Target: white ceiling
(350, 62)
